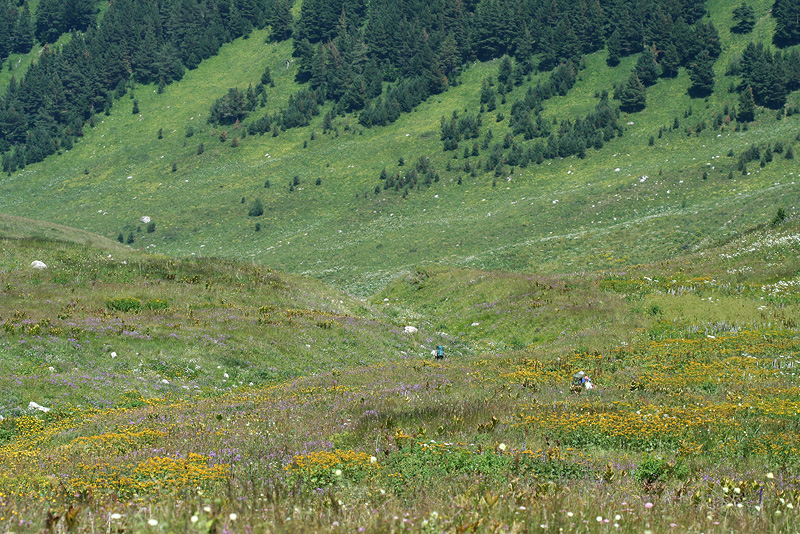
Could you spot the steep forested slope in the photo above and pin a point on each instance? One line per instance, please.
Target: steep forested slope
(374, 148)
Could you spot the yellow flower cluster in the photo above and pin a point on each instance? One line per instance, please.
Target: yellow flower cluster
(157, 475)
(647, 424)
(119, 442)
(323, 460)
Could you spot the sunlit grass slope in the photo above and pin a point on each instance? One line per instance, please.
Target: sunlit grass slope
(127, 321)
(200, 394)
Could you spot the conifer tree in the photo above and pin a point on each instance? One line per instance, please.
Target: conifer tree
(78, 15)
(744, 18)
(670, 61)
(524, 50)
(8, 18)
(747, 106)
(646, 68)
(266, 78)
(633, 95)
(787, 22)
(304, 53)
(49, 14)
(281, 21)
(505, 71)
(23, 34)
(614, 46)
(701, 74)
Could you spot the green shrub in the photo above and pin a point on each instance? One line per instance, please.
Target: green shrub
(124, 304)
(653, 470)
(6, 434)
(256, 208)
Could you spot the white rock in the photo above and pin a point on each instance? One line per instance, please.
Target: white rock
(36, 264)
(410, 330)
(164, 381)
(35, 406)
(113, 354)
(145, 219)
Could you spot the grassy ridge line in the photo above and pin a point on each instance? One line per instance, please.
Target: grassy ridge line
(22, 228)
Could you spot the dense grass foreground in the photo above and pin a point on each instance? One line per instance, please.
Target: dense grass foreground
(205, 396)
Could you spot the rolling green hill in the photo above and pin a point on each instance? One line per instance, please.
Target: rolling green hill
(204, 394)
(182, 365)
(626, 203)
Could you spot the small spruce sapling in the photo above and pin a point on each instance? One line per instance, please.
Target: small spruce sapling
(780, 216)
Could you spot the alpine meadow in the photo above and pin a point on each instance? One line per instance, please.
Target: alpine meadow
(288, 266)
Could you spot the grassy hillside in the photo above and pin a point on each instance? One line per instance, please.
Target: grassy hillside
(206, 395)
(624, 204)
(228, 373)
(170, 319)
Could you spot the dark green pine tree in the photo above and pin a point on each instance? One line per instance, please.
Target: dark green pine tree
(774, 94)
(281, 21)
(304, 53)
(682, 36)
(185, 27)
(168, 64)
(23, 36)
(693, 11)
(48, 20)
(746, 110)
(706, 37)
(633, 95)
(787, 22)
(494, 28)
(646, 68)
(791, 68)
(701, 74)
(449, 55)
(614, 46)
(379, 30)
(744, 19)
(505, 70)
(78, 15)
(318, 20)
(592, 22)
(354, 95)
(766, 75)
(525, 48)
(253, 13)
(568, 45)
(427, 64)
(8, 18)
(670, 61)
(373, 77)
(143, 58)
(266, 78)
